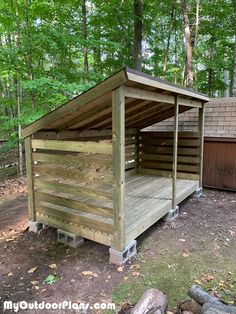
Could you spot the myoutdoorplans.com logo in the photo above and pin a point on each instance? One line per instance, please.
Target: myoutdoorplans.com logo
(65, 305)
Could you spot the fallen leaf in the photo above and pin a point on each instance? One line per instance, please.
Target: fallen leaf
(34, 283)
(198, 282)
(120, 269)
(36, 287)
(109, 276)
(32, 270)
(135, 266)
(10, 274)
(95, 275)
(43, 290)
(87, 273)
(136, 273)
(185, 255)
(126, 278)
(232, 233)
(182, 240)
(53, 266)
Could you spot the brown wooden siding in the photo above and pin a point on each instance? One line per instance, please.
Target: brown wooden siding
(220, 163)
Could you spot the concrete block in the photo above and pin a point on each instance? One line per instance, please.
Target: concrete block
(198, 192)
(172, 214)
(35, 226)
(119, 258)
(69, 238)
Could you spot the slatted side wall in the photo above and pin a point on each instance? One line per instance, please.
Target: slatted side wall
(130, 150)
(155, 154)
(73, 186)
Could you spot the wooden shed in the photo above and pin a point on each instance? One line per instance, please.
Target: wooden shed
(93, 172)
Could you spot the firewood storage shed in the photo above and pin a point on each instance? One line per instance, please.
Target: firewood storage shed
(93, 171)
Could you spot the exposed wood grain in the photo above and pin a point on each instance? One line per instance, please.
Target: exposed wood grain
(175, 152)
(74, 204)
(70, 215)
(30, 179)
(72, 189)
(73, 146)
(118, 129)
(80, 101)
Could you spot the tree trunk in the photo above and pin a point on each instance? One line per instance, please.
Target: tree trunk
(234, 74)
(138, 29)
(29, 49)
(201, 296)
(188, 73)
(85, 35)
(166, 51)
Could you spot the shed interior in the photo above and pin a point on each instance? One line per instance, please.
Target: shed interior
(94, 170)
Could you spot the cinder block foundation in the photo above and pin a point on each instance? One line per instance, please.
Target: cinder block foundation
(35, 226)
(172, 214)
(69, 238)
(198, 192)
(119, 258)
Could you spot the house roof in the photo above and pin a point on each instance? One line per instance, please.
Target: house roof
(220, 119)
(148, 101)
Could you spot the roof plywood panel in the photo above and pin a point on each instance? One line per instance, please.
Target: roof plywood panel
(148, 99)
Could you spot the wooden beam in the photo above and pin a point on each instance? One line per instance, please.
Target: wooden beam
(139, 93)
(175, 152)
(73, 146)
(30, 178)
(118, 135)
(148, 80)
(78, 102)
(201, 123)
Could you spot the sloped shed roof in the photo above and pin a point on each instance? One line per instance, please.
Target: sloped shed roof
(93, 108)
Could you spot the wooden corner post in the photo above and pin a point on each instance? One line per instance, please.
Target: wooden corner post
(30, 179)
(175, 153)
(201, 122)
(118, 137)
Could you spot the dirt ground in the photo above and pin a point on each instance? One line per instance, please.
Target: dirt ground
(204, 235)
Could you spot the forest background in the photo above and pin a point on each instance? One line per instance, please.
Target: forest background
(53, 50)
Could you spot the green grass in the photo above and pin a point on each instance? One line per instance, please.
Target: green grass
(175, 274)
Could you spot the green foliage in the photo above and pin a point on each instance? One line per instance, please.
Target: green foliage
(42, 50)
(51, 279)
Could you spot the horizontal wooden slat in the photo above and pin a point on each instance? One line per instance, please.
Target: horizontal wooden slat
(72, 189)
(73, 146)
(184, 159)
(86, 161)
(169, 174)
(168, 166)
(169, 150)
(169, 142)
(71, 215)
(149, 134)
(87, 233)
(74, 204)
(56, 171)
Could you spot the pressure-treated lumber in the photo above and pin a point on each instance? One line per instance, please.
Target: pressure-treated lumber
(201, 122)
(74, 204)
(30, 178)
(72, 189)
(118, 135)
(139, 93)
(78, 102)
(175, 152)
(73, 146)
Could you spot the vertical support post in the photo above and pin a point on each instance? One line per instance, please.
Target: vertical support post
(175, 153)
(30, 179)
(118, 137)
(201, 122)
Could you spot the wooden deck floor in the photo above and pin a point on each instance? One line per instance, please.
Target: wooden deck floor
(148, 198)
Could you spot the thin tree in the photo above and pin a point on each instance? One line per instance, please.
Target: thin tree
(138, 34)
(234, 71)
(85, 35)
(188, 72)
